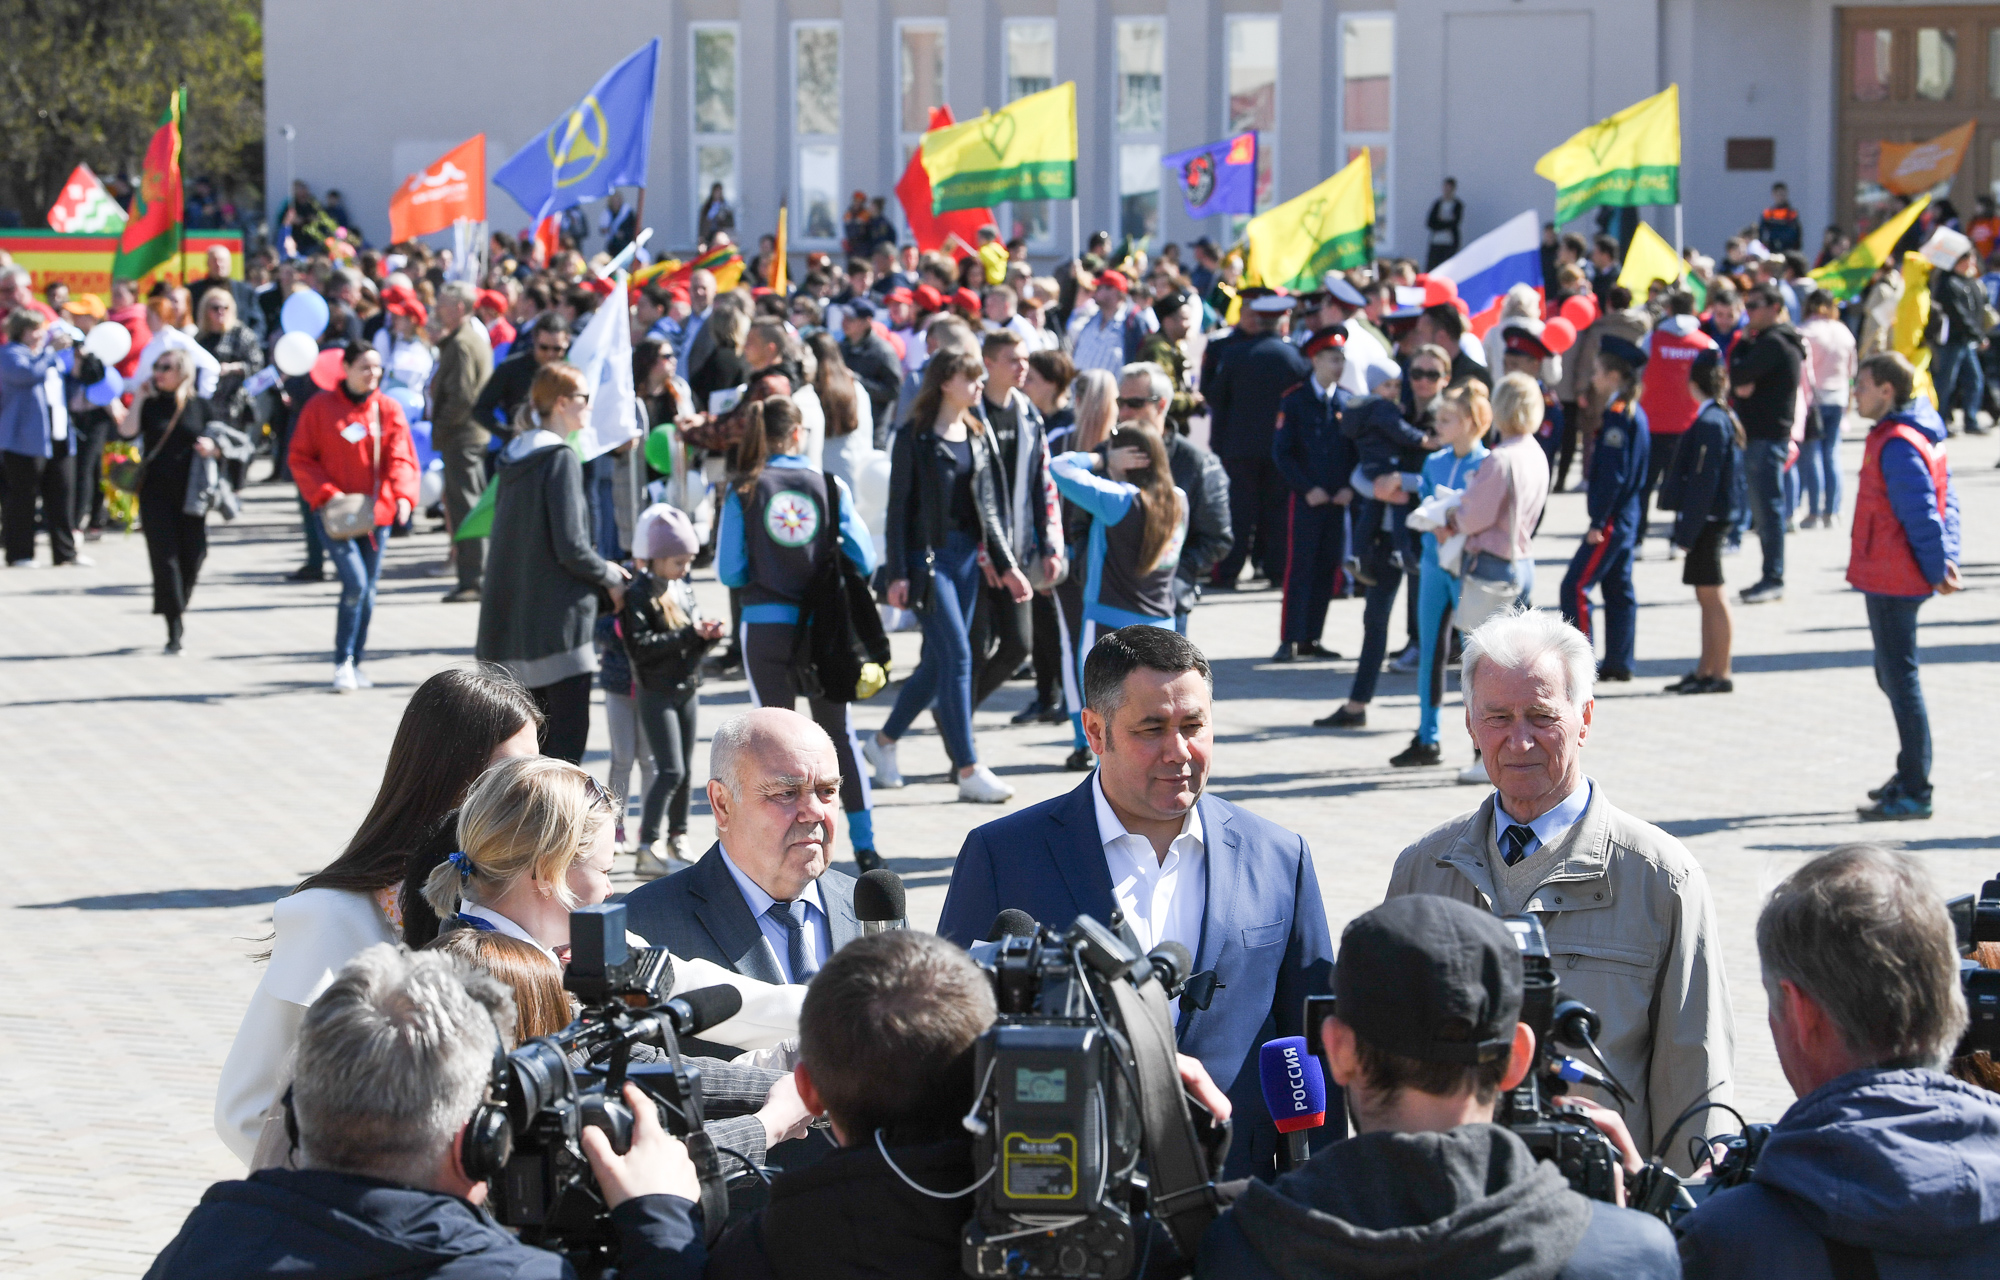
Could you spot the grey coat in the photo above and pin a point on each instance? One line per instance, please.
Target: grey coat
(538, 603)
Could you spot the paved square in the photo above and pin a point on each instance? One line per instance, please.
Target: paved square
(151, 808)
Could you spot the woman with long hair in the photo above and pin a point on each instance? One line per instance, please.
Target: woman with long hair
(729, 320)
(541, 1006)
(173, 428)
(944, 507)
(850, 418)
(538, 606)
(1093, 410)
(458, 723)
(1700, 489)
(1047, 386)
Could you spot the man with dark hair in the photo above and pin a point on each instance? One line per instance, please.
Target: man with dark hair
(1427, 1037)
(1441, 324)
(507, 390)
(1029, 511)
(1778, 225)
(1885, 1166)
(1605, 258)
(1140, 837)
(1764, 370)
(1446, 213)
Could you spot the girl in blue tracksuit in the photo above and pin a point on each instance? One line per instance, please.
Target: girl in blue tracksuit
(1463, 417)
(1138, 521)
(774, 531)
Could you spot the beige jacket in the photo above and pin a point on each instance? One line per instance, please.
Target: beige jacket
(1632, 933)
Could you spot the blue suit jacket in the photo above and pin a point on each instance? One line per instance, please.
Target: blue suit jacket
(24, 401)
(1263, 930)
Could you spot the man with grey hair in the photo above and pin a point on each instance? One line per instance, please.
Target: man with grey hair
(1145, 390)
(464, 363)
(393, 1058)
(1884, 1166)
(1627, 911)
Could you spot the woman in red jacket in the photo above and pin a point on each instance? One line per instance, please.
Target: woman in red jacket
(354, 439)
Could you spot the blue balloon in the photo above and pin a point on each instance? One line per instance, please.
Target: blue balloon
(411, 400)
(304, 312)
(103, 393)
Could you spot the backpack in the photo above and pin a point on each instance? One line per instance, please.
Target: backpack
(839, 649)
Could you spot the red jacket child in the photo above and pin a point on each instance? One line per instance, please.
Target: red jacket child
(331, 452)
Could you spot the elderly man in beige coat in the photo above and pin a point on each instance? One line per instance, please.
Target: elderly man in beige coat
(1630, 923)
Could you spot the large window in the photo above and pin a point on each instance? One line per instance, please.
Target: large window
(1368, 102)
(1029, 51)
(1141, 124)
(1252, 89)
(919, 84)
(816, 207)
(714, 109)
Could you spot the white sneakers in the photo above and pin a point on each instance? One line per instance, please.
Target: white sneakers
(1474, 774)
(344, 678)
(882, 759)
(361, 677)
(982, 787)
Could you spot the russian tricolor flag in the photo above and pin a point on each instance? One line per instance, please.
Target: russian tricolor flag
(1484, 270)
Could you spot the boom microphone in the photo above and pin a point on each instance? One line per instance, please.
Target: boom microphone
(879, 901)
(1012, 923)
(1294, 1094)
(694, 1012)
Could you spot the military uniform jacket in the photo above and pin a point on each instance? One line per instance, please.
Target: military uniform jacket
(1618, 467)
(1308, 447)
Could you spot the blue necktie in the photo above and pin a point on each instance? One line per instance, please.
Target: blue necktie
(792, 915)
(1514, 843)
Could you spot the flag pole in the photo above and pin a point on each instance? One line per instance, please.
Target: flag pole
(180, 226)
(1076, 228)
(1677, 230)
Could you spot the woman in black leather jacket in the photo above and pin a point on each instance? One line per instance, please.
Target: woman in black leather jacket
(944, 510)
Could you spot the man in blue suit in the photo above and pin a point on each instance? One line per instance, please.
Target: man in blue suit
(1139, 837)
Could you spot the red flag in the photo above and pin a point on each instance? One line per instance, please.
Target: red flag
(933, 230)
(153, 234)
(453, 188)
(548, 241)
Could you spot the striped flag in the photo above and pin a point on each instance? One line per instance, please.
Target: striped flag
(85, 206)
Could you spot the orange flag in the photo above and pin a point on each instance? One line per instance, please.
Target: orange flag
(453, 188)
(780, 282)
(1909, 167)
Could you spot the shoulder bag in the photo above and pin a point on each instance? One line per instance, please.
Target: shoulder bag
(352, 515)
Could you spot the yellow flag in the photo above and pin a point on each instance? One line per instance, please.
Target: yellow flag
(1849, 276)
(1650, 258)
(1913, 315)
(1326, 229)
(1631, 158)
(1026, 151)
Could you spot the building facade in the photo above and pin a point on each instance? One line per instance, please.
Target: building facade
(806, 101)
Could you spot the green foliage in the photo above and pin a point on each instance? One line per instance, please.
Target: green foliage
(87, 80)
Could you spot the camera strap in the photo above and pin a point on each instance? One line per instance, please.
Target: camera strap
(1183, 1193)
(714, 1191)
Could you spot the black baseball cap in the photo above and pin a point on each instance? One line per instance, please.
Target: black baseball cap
(1172, 302)
(1430, 978)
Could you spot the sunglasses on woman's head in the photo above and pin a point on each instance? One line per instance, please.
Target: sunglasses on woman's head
(599, 793)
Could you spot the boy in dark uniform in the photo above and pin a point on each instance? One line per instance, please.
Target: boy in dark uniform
(1315, 458)
(1617, 492)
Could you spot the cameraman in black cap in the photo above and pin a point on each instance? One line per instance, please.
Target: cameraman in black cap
(1427, 1036)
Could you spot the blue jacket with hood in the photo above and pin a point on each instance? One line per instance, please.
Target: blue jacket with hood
(1934, 538)
(1903, 1163)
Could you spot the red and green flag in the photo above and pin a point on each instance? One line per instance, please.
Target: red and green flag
(159, 208)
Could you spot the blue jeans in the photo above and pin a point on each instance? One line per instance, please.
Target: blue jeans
(1819, 463)
(358, 564)
(1959, 380)
(944, 673)
(601, 475)
(1437, 597)
(1892, 621)
(1764, 467)
(1376, 612)
(315, 541)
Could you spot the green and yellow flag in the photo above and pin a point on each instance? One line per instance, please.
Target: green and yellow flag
(1850, 275)
(152, 235)
(1327, 228)
(1026, 151)
(1631, 158)
(1650, 258)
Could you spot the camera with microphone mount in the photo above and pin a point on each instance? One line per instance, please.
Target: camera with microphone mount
(1078, 1085)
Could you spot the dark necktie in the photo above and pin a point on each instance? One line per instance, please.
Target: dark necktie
(792, 915)
(1514, 843)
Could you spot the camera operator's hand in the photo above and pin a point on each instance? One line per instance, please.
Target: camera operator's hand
(784, 1113)
(1612, 1126)
(656, 1165)
(1196, 1078)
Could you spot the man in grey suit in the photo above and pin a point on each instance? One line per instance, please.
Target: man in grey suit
(763, 901)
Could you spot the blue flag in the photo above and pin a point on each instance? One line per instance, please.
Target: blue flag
(598, 144)
(1218, 177)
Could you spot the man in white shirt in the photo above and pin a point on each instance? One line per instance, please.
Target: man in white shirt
(1109, 338)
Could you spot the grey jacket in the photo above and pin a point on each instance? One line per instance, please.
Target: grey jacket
(538, 603)
(464, 363)
(1632, 931)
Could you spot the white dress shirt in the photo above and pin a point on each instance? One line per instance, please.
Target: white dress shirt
(1162, 899)
(818, 937)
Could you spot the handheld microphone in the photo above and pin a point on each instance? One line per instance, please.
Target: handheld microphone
(878, 901)
(1012, 923)
(1294, 1094)
(694, 1012)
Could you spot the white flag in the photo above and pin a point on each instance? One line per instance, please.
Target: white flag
(603, 351)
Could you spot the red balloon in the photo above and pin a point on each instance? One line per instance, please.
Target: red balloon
(327, 371)
(1580, 310)
(1558, 335)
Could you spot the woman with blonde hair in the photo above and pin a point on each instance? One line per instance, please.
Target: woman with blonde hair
(173, 428)
(544, 578)
(1502, 506)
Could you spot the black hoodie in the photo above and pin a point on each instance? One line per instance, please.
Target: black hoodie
(1469, 1203)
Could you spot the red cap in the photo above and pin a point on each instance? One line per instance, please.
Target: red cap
(1437, 290)
(491, 298)
(965, 298)
(928, 298)
(902, 295)
(1332, 338)
(1114, 279)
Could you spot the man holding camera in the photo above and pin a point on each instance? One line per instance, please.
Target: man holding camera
(1427, 1036)
(1630, 924)
(392, 1061)
(1884, 1166)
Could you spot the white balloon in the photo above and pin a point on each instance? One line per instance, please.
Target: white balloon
(430, 487)
(109, 342)
(294, 354)
(871, 480)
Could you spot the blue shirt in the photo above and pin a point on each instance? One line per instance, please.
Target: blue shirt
(818, 937)
(732, 553)
(1107, 502)
(1445, 469)
(1548, 828)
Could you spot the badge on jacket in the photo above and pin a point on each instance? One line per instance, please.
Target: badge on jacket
(354, 433)
(1614, 437)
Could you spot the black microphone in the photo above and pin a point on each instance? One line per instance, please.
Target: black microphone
(878, 901)
(1012, 923)
(693, 1012)
(1171, 963)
